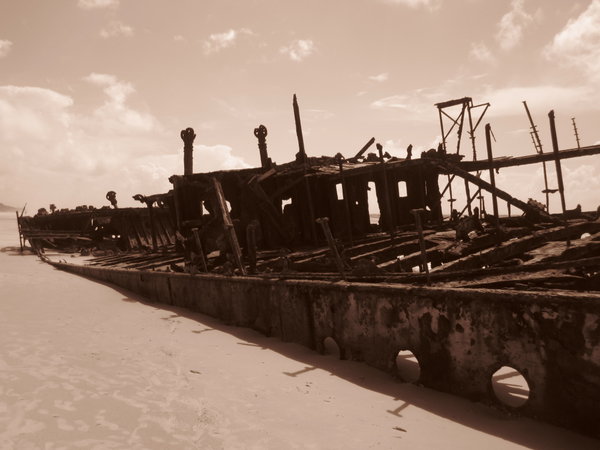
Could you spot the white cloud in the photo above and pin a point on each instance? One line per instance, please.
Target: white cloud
(97, 4)
(115, 114)
(480, 52)
(114, 29)
(578, 43)
(299, 49)
(219, 41)
(432, 5)
(508, 101)
(512, 25)
(393, 101)
(54, 154)
(5, 47)
(380, 78)
(179, 38)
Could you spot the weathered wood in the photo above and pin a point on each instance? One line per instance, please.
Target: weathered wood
(324, 222)
(199, 248)
(513, 248)
(274, 216)
(228, 226)
(363, 149)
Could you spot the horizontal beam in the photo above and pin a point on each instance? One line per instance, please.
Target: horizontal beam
(498, 163)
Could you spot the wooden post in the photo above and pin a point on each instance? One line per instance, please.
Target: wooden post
(324, 222)
(199, 248)
(417, 214)
(228, 226)
(19, 228)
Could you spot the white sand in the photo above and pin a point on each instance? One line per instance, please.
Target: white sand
(84, 365)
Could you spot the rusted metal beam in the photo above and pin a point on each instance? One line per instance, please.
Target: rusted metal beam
(452, 168)
(561, 187)
(363, 149)
(299, 135)
(488, 143)
(499, 163)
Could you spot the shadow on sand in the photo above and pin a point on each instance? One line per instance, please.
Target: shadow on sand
(487, 419)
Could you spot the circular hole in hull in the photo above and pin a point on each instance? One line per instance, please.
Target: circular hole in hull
(330, 347)
(510, 386)
(408, 366)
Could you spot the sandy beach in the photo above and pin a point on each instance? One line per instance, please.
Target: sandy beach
(85, 365)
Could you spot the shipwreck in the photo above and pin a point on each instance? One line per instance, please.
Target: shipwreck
(292, 250)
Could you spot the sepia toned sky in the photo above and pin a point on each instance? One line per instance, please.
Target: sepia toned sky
(94, 93)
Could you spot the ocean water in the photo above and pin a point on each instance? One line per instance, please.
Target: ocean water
(9, 231)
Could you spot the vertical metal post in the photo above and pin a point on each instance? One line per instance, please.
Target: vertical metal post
(251, 246)
(468, 194)
(386, 193)
(442, 129)
(417, 214)
(537, 143)
(304, 158)
(152, 225)
(346, 199)
(472, 136)
(299, 129)
(561, 188)
(576, 132)
(177, 201)
(488, 142)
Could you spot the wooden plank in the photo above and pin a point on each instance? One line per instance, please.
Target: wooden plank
(228, 225)
(512, 248)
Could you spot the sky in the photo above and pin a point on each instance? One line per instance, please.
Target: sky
(94, 93)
